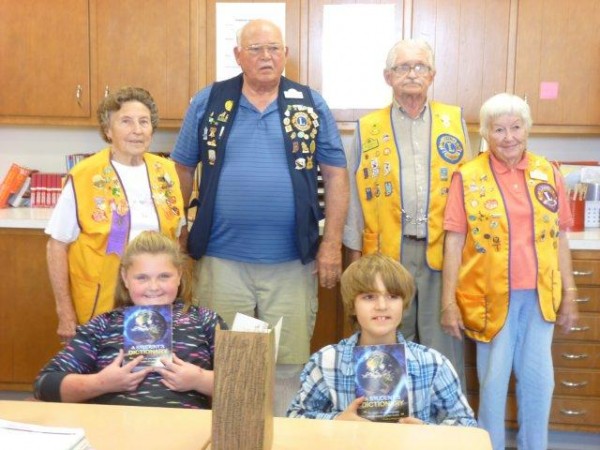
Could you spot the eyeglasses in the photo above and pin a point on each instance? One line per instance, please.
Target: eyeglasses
(404, 69)
(259, 49)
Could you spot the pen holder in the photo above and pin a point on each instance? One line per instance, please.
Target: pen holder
(577, 207)
(242, 403)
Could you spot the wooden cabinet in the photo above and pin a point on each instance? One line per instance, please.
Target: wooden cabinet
(329, 327)
(557, 49)
(470, 40)
(28, 319)
(45, 69)
(146, 45)
(576, 357)
(62, 57)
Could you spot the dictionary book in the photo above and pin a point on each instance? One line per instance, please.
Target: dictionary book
(148, 331)
(380, 373)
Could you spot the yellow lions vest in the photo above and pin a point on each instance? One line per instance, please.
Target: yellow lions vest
(379, 184)
(484, 284)
(103, 216)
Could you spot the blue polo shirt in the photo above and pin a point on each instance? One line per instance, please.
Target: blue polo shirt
(254, 207)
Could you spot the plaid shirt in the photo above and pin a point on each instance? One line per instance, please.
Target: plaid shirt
(328, 385)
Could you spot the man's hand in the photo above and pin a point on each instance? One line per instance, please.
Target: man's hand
(329, 264)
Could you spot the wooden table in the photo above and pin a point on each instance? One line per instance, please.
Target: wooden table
(127, 427)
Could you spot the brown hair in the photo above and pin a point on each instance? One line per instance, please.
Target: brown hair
(153, 243)
(359, 278)
(114, 101)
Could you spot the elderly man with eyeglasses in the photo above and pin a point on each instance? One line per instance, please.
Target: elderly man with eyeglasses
(259, 138)
(400, 166)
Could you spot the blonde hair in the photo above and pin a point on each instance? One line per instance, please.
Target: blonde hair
(359, 278)
(153, 243)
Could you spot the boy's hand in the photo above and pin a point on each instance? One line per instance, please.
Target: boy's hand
(117, 378)
(411, 420)
(351, 412)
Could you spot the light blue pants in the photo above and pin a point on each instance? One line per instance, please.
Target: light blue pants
(524, 346)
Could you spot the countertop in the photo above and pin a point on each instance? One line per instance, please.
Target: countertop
(37, 218)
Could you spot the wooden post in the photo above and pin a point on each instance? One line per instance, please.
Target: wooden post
(242, 404)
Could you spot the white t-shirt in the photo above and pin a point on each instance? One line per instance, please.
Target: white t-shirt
(63, 225)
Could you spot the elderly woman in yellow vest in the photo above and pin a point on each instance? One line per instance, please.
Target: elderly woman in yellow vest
(107, 200)
(507, 275)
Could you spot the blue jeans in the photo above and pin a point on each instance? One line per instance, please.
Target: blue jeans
(523, 345)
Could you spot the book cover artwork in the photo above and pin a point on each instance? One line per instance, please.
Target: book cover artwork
(147, 330)
(381, 378)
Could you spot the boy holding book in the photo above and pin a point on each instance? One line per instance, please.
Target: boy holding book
(376, 290)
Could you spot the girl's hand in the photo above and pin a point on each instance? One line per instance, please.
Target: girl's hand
(180, 376)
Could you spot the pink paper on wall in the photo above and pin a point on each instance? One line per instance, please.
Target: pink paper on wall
(548, 90)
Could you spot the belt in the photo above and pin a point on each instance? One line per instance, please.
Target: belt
(414, 238)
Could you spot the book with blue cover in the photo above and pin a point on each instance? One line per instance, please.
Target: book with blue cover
(381, 377)
(148, 331)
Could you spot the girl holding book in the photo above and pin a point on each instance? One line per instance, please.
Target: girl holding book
(93, 368)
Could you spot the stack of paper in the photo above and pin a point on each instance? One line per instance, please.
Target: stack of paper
(23, 436)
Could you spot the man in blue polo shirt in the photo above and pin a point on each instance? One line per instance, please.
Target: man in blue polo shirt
(259, 138)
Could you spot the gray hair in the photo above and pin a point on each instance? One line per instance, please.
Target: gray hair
(240, 31)
(114, 101)
(404, 44)
(503, 105)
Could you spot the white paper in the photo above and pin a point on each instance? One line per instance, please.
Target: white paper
(356, 39)
(230, 18)
(17, 436)
(244, 323)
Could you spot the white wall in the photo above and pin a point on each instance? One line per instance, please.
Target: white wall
(44, 148)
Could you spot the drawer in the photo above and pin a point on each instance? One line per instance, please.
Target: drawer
(575, 355)
(587, 329)
(588, 299)
(583, 383)
(566, 381)
(575, 410)
(586, 271)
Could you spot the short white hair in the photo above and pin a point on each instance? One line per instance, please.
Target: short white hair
(239, 33)
(503, 105)
(419, 44)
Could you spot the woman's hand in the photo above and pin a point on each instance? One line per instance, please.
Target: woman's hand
(451, 320)
(67, 326)
(181, 376)
(121, 378)
(351, 412)
(568, 313)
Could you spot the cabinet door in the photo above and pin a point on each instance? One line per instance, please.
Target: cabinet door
(145, 44)
(45, 61)
(470, 40)
(28, 319)
(558, 61)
